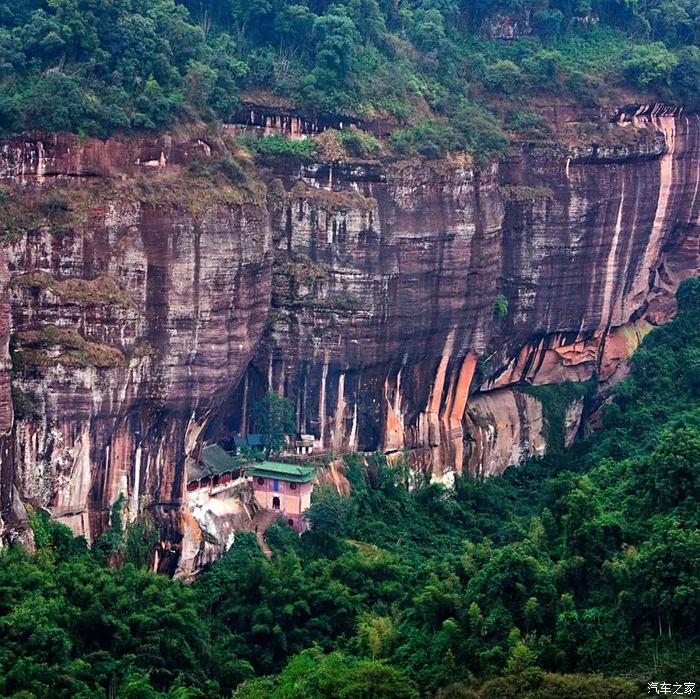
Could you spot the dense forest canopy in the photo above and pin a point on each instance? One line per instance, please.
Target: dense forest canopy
(551, 582)
(99, 66)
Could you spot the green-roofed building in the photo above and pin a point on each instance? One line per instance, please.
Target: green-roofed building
(289, 472)
(285, 488)
(215, 467)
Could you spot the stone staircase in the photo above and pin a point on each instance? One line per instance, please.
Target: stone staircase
(262, 519)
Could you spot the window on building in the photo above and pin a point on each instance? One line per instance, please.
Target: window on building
(292, 486)
(261, 481)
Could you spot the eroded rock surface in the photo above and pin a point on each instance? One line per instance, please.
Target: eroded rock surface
(384, 291)
(147, 314)
(132, 322)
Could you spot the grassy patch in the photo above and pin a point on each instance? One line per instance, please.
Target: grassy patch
(55, 208)
(613, 136)
(52, 346)
(332, 201)
(93, 292)
(517, 193)
(192, 192)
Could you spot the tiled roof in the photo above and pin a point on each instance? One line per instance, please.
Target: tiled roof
(248, 440)
(284, 472)
(214, 460)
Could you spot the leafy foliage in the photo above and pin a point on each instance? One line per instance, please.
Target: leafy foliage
(277, 149)
(358, 143)
(556, 399)
(274, 417)
(96, 66)
(79, 65)
(500, 306)
(473, 130)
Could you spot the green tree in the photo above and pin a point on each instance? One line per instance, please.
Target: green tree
(503, 76)
(650, 65)
(274, 417)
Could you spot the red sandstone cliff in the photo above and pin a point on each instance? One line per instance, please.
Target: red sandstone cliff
(137, 300)
(148, 310)
(385, 290)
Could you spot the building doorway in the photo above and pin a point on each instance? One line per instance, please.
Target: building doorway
(275, 503)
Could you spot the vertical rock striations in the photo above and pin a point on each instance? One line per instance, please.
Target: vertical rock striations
(148, 309)
(383, 298)
(135, 309)
(14, 522)
(385, 289)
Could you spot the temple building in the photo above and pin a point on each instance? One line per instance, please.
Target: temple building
(249, 441)
(285, 488)
(216, 470)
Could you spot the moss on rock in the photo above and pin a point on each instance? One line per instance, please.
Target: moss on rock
(52, 346)
(518, 193)
(93, 292)
(555, 399)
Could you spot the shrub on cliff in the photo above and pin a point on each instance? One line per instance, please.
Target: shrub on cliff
(503, 76)
(329, 146)
(528, 123)
(650, 66)
(217, 168)
(500, 306)
(359, 144)
(429, 139)
(54, 204)
(472, 129)
(688, 295)
(277, 149)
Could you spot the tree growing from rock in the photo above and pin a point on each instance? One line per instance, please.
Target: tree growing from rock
(275, 418)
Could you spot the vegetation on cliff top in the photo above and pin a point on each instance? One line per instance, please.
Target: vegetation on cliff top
(527, 585)
(436, 71)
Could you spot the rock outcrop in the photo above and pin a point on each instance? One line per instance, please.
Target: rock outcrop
(149, 310)
(506, 26)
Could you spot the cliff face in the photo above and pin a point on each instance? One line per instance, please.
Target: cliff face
(134, 313)
(384, 331)
(383, 295)
(149, 311)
